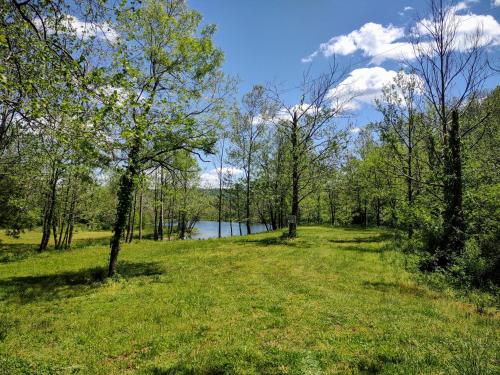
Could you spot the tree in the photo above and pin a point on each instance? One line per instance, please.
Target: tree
(310, 126)
(452, 67)
(168, 71)
(247, 130)
(400, 129)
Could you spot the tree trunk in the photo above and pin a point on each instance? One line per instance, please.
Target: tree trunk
(292, 224)
(220, 204)
(132, 216)
(318, 209)
(453, 216)
(230, 214)
(247, 203)
(155, 230)
(378, 212)
(48, 216)
(160, 218)
(140, 216)
(238, 214)
(365, 214)
(410, 176)
(125, 190)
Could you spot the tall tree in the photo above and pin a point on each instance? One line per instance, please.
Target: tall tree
(310, 127)
(167, 69)
(247, 131)
(453, 67)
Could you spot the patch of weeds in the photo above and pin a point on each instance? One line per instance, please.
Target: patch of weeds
(481, 301)
(309, 365)
(20, 366)
(5, 327)
(472, 358)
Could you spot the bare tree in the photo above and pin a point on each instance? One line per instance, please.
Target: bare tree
(247, 131)
(310, 126)
(453, 66)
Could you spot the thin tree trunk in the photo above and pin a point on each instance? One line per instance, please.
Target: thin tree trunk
(48, 216)
(219, 208)
(378, 212)
(247, 203)
(366, 213)
(292, 225)
(125, 191)
(132, 221)
(453, 216)
(160, 219)
(230, 216)
(140, 215)
(410, 175)
(155, 230)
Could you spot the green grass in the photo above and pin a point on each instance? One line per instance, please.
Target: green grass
(331, 301)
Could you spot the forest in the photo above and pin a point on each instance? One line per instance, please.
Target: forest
(112, 114)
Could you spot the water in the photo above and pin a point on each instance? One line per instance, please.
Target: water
(210, 229)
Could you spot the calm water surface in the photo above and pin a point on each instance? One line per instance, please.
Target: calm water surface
(210, 229)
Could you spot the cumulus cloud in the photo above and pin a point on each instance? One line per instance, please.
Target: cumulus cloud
(372, 39)
(390, 42)
(210, 178)
(496, 3)
(364, 85)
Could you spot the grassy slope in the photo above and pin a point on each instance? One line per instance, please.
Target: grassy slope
(332, 301)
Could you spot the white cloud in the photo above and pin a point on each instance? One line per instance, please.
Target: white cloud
(83, 30)
(388, 42)
(210, 178)
(495, 3)
(407, 9)
(364, 85)
(372, 38)
(355, 130)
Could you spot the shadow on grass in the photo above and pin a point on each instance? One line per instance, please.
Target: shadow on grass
(27, 289)
(84, 242)
(379, 238)
(383, 286)
(13, 252)
(272, 241)
(185, 369)
(360, 249)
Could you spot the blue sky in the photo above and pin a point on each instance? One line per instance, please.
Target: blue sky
(265, 40)
(270, 40)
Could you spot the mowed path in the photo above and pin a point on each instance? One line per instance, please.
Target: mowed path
(331, 301)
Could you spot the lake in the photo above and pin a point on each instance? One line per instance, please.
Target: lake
(210, 229)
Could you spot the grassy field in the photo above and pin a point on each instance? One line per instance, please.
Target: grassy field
(332, 301)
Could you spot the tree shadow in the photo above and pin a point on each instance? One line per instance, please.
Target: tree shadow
(27, 289)
(11, 252)
(273, 241)
(378, 238)
(360, 249)
(383, 286)
(85, 242)
(185, 369)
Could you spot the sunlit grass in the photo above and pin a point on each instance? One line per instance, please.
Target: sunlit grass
(331, 301)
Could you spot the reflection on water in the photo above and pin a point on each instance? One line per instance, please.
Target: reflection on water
(210, 229)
